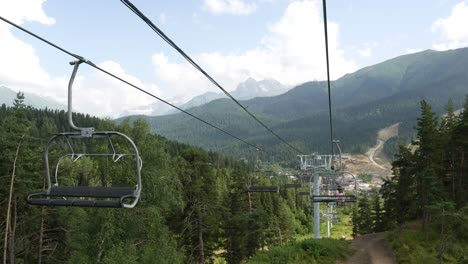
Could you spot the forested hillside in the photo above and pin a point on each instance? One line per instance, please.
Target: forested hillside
(194, 205)
(425, 202)
(363, 102)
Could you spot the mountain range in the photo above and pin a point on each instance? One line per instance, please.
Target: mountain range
(248, 89)
(7, 96)
(363, 102)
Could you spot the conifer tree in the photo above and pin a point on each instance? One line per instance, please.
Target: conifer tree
(237, 226)
(405, 197)
(201, 203)
(377, 213)
(365, 215)
(460, 149)
(447, 128)
(428, 155)
(18, 102)
(388, 192)
(355, 220)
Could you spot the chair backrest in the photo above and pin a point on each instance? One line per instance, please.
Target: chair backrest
(72, 147)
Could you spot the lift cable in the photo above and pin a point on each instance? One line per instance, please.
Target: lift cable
(128, 83)
(158, 31)
(328, 73)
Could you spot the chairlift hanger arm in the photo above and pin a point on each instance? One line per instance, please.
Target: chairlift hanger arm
(85, 131)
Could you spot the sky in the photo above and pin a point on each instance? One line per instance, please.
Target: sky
(231, 39)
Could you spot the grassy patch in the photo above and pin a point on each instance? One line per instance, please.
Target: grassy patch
(342, 228)
(306, 251)
(411, 246)
(366, 178)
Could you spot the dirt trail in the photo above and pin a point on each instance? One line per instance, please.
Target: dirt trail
(371, 249)
(388, 132)
(382, 136)
(374, 162)
(372, 152)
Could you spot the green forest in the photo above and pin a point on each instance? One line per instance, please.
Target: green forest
(194, 206)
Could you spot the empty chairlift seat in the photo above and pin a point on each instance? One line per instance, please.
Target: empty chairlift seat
(61, 194)
(263, 188)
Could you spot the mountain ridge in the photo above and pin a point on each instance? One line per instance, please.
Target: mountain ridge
(363, 102)
(248, 89)
(7, 95)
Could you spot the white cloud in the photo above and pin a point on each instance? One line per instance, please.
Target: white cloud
(179, 79)
(162, 18)
(365, 52)
(366, 49)
(19, 65)
(19, 11)
(410, 51)
(102, 95)
(21, 69)
(292, 52)
(452, 30)
(231, 7)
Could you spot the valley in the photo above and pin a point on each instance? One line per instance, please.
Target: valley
(364, 102)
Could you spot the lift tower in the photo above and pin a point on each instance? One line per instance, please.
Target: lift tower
(316, 164)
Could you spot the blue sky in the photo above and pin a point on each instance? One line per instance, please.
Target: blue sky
(231, 39)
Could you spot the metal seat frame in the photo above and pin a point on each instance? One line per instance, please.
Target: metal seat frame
(105, 196)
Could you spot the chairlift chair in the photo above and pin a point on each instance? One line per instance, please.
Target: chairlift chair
(123, 149)
(292, 185)
(259, 188)
(339, 197)
(306, 185)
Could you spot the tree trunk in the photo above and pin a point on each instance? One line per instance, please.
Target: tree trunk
(442, 239)
(41, 235)
(12, 235)
(41, 231)
(460, 188)
(8, 224)
(200, 239)
(101, 250)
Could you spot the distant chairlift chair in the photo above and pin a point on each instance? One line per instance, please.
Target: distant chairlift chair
(258, 188)
(305, 187)
(296, 184)
(334, 186)
(89, 196)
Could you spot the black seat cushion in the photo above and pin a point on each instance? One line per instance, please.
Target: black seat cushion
(80, 203)
(263, 189)
(86, 191)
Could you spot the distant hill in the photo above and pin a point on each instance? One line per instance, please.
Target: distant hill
(7, 96)
(363, 102)
(202, 99)
(251, 88)
(248, 89)
(154, 109)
